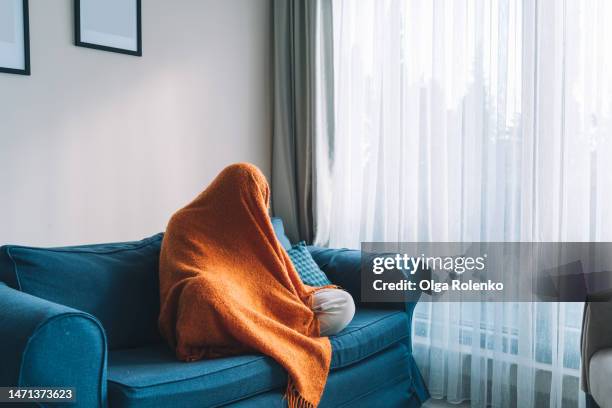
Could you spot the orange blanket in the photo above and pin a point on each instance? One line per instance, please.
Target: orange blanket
(228, 287)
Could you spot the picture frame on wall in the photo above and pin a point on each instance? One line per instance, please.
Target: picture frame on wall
(109, 25)
(14, 37)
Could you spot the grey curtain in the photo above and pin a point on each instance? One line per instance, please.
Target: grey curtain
(303, 110)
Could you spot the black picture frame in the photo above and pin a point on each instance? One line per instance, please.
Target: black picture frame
(26, 45)
(79, 43)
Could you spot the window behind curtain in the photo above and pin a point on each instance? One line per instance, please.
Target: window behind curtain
(476, 121)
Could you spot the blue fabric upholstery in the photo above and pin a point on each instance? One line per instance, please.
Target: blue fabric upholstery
(153, 377)
(369, 332)
(342, 267)
(117, 283)
(48, 340)
(279, 230)
(355, 386)
(46, 344)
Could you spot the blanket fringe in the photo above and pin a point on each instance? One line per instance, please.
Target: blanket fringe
(294, 399)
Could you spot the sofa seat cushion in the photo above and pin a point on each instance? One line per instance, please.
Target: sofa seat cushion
(395, 385)
(151, 376)
(370, 331)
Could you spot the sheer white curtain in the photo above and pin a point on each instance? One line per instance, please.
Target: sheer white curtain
(461, 120)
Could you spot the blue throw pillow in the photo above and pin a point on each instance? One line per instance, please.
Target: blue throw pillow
(306, 267)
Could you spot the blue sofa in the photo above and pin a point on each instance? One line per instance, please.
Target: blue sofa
(86, 317)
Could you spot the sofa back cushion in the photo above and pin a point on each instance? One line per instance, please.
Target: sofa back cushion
(117, 283)
(279, 230)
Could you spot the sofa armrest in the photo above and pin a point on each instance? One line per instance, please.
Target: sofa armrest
(343, 268)
(45, 344)
(596, 334)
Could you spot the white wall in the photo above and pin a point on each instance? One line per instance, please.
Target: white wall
(98, 146)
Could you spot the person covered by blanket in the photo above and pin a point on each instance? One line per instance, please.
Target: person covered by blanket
(228, 287)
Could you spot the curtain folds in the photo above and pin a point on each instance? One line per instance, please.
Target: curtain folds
(476, 120)
(303, 111)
